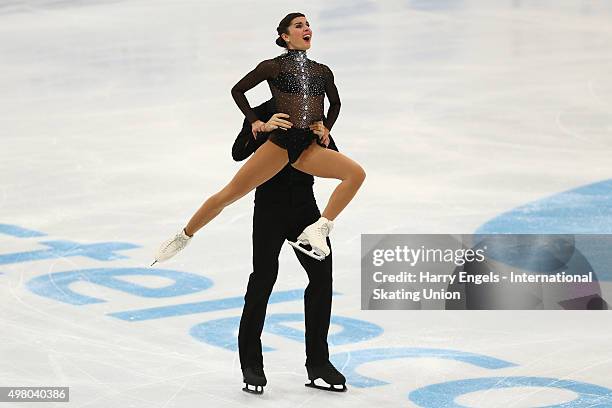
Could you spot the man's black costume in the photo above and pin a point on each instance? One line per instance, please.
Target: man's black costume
(284, 206)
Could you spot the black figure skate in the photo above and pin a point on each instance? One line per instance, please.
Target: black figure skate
(254, 376)
(328, 373)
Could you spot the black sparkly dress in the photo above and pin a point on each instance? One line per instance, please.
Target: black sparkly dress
(298, 87)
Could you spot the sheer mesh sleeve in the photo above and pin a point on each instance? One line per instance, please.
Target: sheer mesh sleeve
(264, 70)
(334, 99)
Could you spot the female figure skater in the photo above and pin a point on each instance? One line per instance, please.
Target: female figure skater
(298, 87)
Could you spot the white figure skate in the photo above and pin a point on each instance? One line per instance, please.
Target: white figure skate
(172, 246)
(314, 236)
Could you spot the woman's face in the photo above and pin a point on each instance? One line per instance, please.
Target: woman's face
(300, 34)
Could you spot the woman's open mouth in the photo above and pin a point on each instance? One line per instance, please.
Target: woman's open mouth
(306, 38)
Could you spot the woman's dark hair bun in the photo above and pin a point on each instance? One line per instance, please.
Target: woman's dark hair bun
(283, 28)
(280, 42)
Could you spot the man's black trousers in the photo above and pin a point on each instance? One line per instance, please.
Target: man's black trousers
(276, 218)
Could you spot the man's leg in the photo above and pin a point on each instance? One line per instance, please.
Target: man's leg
(318, 293)
(317, 306)
(268, 238)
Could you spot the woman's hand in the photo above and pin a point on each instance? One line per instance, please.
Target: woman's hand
(277, 121)
(320, 130)
(256, 127)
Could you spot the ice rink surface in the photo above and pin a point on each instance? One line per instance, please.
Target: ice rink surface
(116, 122)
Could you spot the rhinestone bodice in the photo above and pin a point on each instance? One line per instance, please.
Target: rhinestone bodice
(298, 85)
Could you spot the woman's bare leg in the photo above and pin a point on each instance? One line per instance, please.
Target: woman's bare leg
(328, 163)
(268, 160)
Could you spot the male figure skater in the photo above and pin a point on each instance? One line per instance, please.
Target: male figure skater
(284, 206)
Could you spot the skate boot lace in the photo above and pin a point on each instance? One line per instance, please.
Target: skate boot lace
(179, 240)
(323, 231)
(326, 226)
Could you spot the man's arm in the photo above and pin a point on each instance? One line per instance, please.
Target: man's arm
(245, 144)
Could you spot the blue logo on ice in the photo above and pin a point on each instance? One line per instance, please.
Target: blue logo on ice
(57, 285)
(63, 249)
(222, 332)
(350, 361)
(444, 394)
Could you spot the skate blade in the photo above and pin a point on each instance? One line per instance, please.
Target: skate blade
(312, 253)
(258, 389)
(329, 387)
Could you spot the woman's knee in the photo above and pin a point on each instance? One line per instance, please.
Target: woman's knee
(359, 174)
